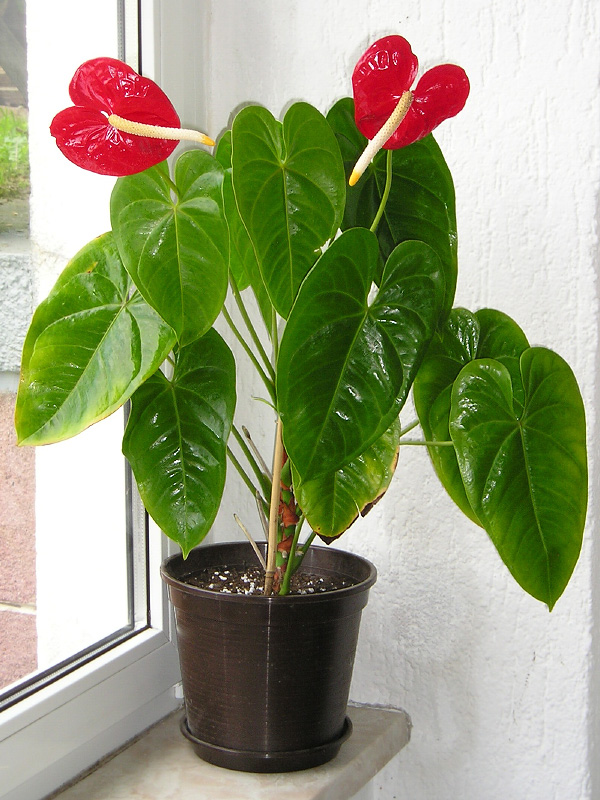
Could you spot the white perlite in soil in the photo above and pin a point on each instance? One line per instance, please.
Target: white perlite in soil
(250, 580)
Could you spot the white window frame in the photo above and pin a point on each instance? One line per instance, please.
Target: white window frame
(54, 734)
(59, 731)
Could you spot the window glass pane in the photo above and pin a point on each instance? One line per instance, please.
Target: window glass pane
(14, 153)
(67, 550)
(18, 625)
(81, 542)
(18, 629)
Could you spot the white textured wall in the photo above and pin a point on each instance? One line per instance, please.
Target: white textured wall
(500, 691)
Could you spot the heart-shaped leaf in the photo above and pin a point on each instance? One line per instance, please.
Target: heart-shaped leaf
(176, 249)
(89, 346)
(421, 204)
(242, 258)
(525, 471)
(346, 364)
(290, 189)
(332, 502)
(176, 439)
(465, 337)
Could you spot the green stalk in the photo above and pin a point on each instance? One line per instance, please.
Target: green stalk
(386, 191)
(171, 184)
(292, 566)
(425, 443)
(308, 543)
(265, 378)
(250, 327)
(304, 550)
(409, 428)
(262, 478)
(242, 472)
(274, 336)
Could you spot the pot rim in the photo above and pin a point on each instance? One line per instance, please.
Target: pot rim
(223, 597)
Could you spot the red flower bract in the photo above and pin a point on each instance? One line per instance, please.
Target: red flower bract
(105, 86)
(382, 75)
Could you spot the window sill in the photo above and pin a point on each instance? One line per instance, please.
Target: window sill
(161, 764)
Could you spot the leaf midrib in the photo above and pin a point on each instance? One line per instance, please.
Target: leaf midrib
(317, 439)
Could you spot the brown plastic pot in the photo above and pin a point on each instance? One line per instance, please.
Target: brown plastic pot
(266, 679)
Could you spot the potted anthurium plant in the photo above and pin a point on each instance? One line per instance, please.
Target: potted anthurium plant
(342, 229)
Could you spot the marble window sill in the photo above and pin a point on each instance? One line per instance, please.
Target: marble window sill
(161, 765)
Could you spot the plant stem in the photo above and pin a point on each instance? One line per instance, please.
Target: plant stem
(410, 427)
(250, 327)
(171, 184)
(242, 472)
(265, 378)
(260, 460)
(291, 566)
(308, 543)
(262, 478)
(274, 336)
(417, 443)
(386, 191)
(260, 507)
(248, 536)
(303, 551)
(274, 510)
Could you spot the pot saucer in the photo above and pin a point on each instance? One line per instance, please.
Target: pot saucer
(249, 761)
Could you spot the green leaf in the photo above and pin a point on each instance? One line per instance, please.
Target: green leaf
(346, 364)
(89, 346)
(332, 502)
(465, 337)
(290, 189)
(242, 258)
(176, 250)
(525, 472)
(502, 339)
(421, 204)
(237, 232)
(176, 439)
